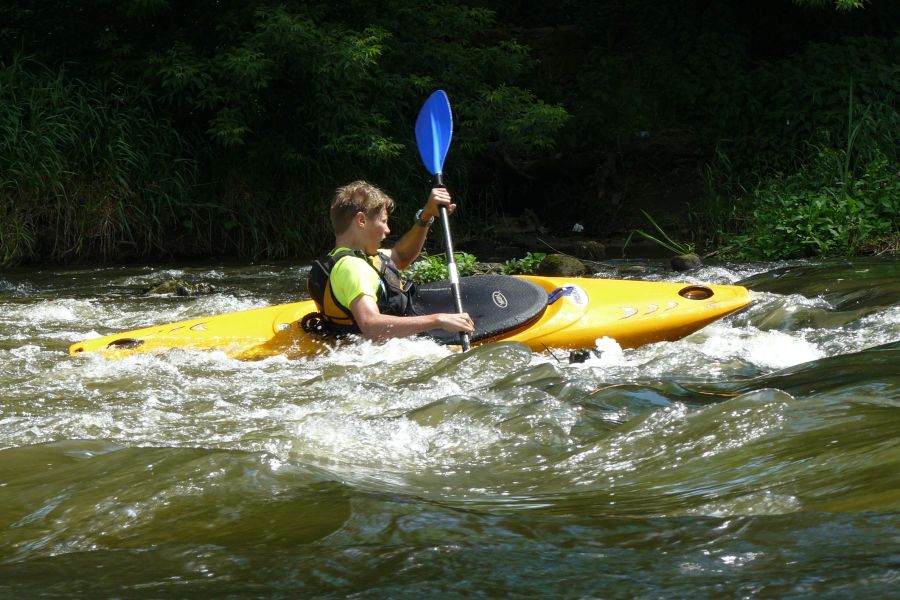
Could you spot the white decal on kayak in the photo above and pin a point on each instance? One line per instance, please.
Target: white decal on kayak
(199, 327)
(629, 311)
(671, 305)
(577, 296)
(651, 308)
(499, 299)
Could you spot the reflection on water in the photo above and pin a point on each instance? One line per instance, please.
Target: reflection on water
(758, 456)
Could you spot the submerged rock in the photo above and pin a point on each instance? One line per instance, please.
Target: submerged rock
(581, 356)
(630, 269)
(179, 287)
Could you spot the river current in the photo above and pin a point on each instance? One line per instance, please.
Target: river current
(758, 457)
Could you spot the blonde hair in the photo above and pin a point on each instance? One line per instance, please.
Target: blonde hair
(357, 197)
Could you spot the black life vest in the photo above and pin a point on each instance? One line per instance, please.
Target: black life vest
(333, 318)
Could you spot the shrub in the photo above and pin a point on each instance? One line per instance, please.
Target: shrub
(433, 267)
(816, 213)
(524, 266)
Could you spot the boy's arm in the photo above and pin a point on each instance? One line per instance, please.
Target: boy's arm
(408, 247)
(376, 326)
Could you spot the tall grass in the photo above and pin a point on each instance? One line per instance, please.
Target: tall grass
(88, 171)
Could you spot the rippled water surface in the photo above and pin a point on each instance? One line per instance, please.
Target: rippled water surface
(758, 457)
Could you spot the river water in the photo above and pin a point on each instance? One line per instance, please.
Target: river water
(759, 457)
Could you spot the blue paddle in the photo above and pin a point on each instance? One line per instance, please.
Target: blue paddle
(434, 128)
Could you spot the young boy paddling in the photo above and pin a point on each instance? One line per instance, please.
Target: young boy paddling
(357, 286)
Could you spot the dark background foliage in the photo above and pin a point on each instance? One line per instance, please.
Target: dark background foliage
(153, 128)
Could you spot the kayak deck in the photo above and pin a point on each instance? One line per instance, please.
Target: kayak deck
(579, 311)
(633, 313)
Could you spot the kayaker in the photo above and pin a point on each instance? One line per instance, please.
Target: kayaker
(357, 286)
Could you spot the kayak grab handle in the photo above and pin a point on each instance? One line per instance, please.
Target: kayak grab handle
(559, 293)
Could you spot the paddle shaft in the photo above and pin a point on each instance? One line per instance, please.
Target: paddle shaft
(451, 264)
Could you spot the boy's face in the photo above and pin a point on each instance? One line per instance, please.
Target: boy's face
(374, 231)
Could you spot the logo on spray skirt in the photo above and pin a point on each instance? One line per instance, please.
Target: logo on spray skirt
(499, 299)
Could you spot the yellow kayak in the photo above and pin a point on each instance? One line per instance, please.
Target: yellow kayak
(542, 312)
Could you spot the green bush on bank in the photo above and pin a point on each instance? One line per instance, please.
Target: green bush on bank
(433, 267)
(820, 157)
(527, 265)
(817, 213)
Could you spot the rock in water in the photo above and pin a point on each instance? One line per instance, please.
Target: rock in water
(179, 287)
(560, 265)
(686, 262)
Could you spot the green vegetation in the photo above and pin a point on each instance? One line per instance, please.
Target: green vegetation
(206, 128)
(88, 170)
(433, 267)
(839, 4)
(823, 211)
(266, 108)
(662, 239)
(524, 266)
(838, 201)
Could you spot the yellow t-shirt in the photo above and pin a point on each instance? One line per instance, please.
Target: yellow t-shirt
(352, 276)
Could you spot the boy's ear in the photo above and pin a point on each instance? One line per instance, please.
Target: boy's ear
(360, 219)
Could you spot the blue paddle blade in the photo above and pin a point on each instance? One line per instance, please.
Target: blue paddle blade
(434, 128)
